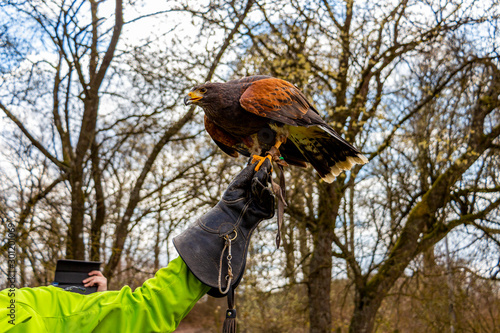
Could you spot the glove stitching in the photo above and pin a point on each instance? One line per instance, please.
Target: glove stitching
(207, 229)
(232, 201)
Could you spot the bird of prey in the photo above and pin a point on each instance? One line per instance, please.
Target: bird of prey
(259, 115)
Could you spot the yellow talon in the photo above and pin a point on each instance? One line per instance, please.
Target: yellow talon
(261, 160)
(274, 150)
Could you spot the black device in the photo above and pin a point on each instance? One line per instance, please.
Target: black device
(71, 273)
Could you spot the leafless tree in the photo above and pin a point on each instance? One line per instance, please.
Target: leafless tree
(113, 110)
(381, 73)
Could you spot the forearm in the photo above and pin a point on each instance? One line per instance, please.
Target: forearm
(157, 306)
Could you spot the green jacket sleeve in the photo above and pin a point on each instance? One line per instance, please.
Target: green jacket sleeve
(157, 306)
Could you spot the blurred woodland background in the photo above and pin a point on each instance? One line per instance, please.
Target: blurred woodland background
(100, 159)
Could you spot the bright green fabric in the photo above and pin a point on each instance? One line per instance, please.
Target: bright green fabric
(157, 306)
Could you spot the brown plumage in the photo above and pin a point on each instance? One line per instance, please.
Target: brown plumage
(250, 115)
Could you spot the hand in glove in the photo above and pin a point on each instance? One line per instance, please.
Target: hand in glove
(216, 245)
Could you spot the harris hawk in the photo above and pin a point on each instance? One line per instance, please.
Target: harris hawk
(261, 114)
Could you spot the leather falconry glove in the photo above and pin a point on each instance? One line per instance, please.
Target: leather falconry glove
(215, 246)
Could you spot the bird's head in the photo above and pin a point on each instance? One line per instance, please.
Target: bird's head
(202, 95)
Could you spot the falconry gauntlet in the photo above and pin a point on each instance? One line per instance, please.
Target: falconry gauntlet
(215, 247)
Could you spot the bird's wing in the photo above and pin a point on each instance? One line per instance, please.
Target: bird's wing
(279, 100)
(224, 140)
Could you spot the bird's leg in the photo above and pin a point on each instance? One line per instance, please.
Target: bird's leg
(273, 155)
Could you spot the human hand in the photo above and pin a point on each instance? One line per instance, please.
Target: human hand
(249, 182)
(96, 278)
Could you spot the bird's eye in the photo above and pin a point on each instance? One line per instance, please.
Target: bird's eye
(203, 90)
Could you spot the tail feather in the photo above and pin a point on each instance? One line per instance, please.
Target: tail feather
(325, 150)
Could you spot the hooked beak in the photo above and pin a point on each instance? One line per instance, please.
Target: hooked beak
(192, 97)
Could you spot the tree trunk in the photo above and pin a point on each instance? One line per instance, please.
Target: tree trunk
(288, 243)
(320, 276)
(366, 305)
(75, 248)
(320, 267)
(100, 212)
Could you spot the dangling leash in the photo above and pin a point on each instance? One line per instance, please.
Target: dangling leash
(229, 276)
(229, 325)
(268, 137)
(280, 192)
